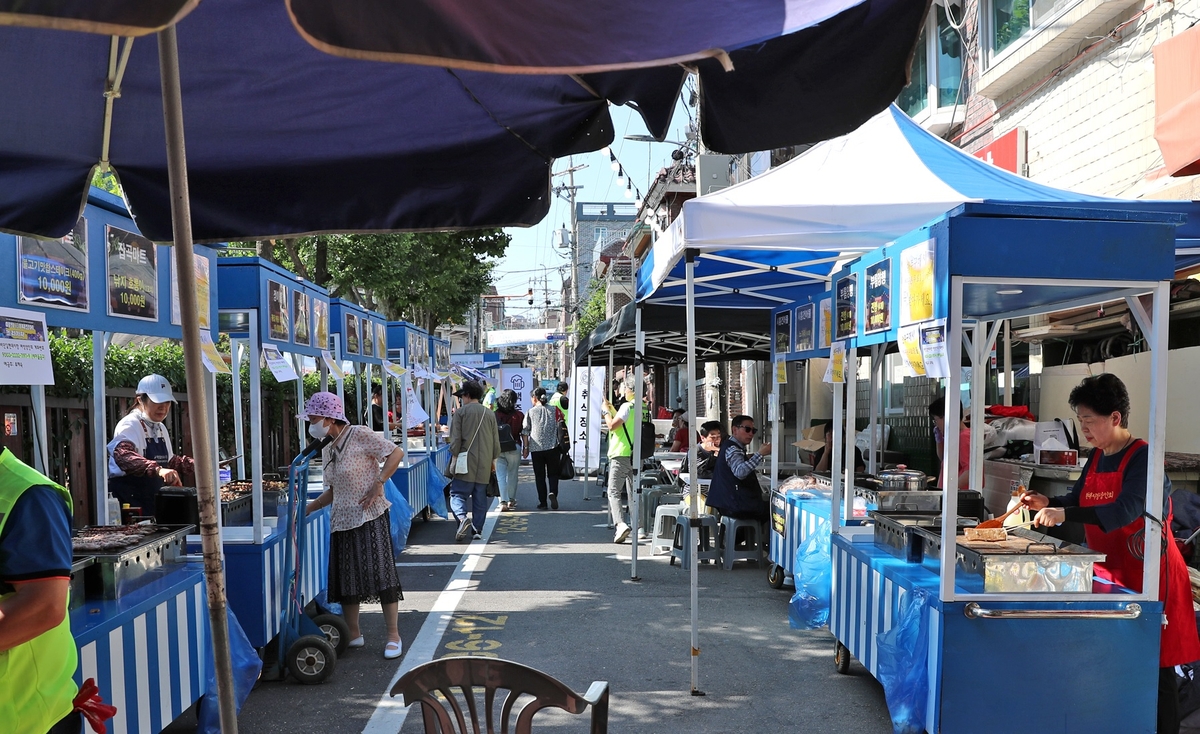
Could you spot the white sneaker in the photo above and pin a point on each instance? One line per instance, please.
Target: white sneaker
(622, 535)
(464, 530)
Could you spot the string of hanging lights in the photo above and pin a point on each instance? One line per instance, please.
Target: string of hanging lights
(631, 191)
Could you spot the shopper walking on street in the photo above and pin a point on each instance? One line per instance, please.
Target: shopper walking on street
(621, 422)
(541, 434)
(361, 565)
(473, 433)
(510, 423)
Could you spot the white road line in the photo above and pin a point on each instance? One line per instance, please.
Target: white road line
(390, 713)
(426, 564)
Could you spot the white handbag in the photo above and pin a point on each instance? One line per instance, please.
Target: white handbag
(460, 461)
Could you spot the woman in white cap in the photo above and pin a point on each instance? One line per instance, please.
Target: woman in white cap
(140, 458)
(361, 565)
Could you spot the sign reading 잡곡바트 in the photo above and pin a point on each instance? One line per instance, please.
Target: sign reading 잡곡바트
(132, 275)
(877, 305)
(845, 309)
(805, 327)
(54, 271)
(24, 349)
(202, 294)
(783, 332)
(278, 324)
(301, 318)
(351, 334)
(320, 311)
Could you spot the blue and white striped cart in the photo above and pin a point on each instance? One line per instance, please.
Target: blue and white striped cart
(147, 651)
(795, 515)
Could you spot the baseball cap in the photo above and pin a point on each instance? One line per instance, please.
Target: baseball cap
(471, 389)
(156, 388)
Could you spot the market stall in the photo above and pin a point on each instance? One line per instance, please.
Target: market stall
(271, 315)
(409, 346)
(973, 612)
(107, 279)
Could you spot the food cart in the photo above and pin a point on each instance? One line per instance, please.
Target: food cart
(409, 346)
(137, 604)
(270, 314)
(1077, 655)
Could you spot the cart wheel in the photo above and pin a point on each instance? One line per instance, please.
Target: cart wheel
(841, 658)
(426, 514)
(775, 576)
(336, 631)
(311, 659)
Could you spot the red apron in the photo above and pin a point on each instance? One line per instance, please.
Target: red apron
(1125, 549)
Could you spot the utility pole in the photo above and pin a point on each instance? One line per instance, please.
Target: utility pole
(568, 192)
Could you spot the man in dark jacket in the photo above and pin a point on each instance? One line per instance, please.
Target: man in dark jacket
(735, 490)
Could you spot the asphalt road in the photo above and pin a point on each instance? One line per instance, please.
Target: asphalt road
(549, 589)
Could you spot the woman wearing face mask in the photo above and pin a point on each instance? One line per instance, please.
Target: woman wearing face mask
(361, 566)
(140, 458)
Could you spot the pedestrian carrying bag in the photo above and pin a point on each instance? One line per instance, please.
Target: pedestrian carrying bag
(508, 442)
(566, 468)
(493, 486)
(461, 461)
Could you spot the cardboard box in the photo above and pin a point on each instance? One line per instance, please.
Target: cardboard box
(812, 439)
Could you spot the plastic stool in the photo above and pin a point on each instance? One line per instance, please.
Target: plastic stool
(666, 517)
(753, 545)
(709, 548)
(651, 498)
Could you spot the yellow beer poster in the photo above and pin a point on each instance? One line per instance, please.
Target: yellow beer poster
(837, 359)
(826, 323)
(916, 283)
(780, 371)
(909, 338)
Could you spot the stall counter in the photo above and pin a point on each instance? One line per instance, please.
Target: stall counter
(1053, 675)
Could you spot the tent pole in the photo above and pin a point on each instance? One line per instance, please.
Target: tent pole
(100, 341)
(1008, 365)
(239, 424)
(694, 481)
(586, 419)
(635, 492)
(185, 262)
(254, 356)
(608, 390)
(873, 412)
(850, 372)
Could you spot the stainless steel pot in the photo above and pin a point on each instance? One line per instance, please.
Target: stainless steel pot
(903, 479)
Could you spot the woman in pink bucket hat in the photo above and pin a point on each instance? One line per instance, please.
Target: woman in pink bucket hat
(361, 566)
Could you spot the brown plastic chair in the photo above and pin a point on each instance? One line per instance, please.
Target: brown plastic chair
(470, 673)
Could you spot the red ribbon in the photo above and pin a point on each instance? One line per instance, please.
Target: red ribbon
(93, 708)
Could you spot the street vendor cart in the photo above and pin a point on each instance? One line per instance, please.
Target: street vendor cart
(1015, 634)
(410, 346)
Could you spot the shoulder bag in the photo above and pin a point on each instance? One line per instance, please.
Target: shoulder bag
(461, 461)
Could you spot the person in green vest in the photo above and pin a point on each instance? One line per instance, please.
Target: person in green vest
(489, 396)
(37, 652)
(559, 400)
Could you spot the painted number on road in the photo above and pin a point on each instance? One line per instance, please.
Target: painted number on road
(512, 524)
(472, 635)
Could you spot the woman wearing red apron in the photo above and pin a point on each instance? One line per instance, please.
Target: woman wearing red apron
(1109, 499)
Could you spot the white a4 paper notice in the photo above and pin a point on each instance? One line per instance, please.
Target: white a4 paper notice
(416, 414)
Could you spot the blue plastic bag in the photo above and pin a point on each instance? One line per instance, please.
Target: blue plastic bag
(813, 573)
(401, 515)
(436, 492)
(246, 667)
(903, 651)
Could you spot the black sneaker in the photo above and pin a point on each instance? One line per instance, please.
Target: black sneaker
(541, 507)
(554, 502)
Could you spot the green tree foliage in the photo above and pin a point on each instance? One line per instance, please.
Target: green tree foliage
(593, 309)
(427, 278)
(106, 181)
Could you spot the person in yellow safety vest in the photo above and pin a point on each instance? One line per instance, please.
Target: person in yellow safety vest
(37, 652)
(559, 400)
(489, 396)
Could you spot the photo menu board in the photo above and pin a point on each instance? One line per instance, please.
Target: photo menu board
(132, 275)
(351, 334)
(381, 339)
(301, 318)
(320, 311)
(877, 310)
(368, 338)
(278, 309)
(845, 316)
(805, 328)
(54, 272)
(783, 332)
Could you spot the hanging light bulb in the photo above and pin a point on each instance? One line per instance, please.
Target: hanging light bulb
(612, 162)
(638, 202)
(629, 190)
(606, 150)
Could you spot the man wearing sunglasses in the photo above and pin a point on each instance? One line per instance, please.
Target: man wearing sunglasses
(735, 490)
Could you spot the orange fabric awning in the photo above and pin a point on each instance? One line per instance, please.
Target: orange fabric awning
(1177, 102)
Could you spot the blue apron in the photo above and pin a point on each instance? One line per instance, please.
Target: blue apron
(140, 492)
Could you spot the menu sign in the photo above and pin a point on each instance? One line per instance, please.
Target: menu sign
(783, 332)
(916, 283)
(132, 262)
(278, 324)
(933, 349)
(351, 334)
(54, 271)
(878, 300)
(24, 349)
(845, 309)
(909, 338)
(202, 302)
(301, 318)
(368, 339)
(381, 339)
(320, 310)
(826, 322)
(805, 331)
